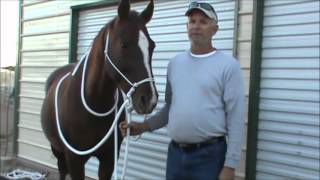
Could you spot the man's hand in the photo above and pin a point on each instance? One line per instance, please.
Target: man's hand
(227, 173)
(136, 128)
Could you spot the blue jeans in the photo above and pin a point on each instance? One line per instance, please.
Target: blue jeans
(204, 163)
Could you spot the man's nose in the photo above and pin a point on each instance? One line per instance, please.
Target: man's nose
(196, 25)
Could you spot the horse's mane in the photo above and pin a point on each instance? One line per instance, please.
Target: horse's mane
(133, 16)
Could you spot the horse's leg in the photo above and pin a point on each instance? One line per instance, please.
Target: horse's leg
(75, 165)
(106, 160)
(62, 166)
(106, 163)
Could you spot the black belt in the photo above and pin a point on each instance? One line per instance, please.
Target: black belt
(193, 146)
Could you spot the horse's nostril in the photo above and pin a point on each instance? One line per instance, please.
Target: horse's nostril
(143, 100)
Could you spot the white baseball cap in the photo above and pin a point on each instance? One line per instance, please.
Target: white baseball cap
(206, 8)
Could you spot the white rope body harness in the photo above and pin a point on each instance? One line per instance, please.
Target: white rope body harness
(126, 104)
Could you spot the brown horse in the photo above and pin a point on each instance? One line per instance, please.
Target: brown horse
(123, 44)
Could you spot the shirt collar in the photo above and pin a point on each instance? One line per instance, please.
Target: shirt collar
(203, 55)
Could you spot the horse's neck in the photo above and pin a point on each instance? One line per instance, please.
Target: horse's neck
(98, 85)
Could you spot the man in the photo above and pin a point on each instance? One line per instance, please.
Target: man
(205, 105)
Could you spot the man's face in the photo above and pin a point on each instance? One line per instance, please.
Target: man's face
(200, 28)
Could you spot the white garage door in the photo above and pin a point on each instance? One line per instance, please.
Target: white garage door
(147, 156)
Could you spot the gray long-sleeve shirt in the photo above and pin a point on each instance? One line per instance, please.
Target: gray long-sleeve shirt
(204, 98)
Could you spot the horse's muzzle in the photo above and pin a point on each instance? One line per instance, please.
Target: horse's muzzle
(144, 103)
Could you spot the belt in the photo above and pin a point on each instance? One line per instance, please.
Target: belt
(193, 146)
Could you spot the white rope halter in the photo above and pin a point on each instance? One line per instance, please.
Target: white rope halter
(127, 103)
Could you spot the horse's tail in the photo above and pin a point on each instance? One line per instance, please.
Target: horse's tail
(56, 74)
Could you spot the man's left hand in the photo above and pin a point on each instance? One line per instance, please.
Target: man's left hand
(227, 173)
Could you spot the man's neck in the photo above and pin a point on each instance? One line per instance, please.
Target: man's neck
(202, 49)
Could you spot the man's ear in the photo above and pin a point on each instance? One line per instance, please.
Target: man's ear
(215, 28)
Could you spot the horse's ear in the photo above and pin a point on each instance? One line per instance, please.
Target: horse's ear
(148, 12)
(123, 9)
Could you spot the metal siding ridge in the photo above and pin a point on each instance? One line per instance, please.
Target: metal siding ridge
(61, 48)
(148, 171)
(28, 112)
(291, 139)
(269, 3)
(287, 9)
(304, 52)
(285, 171)
(289, 149)
(32, 2)
(294, 63)
(286, 41)
(294, 19)
(46, 25)
(140, 158)
(266, 176)
(155, 146)
(311, 120)
(45, 33)
(30, 119)
(45, 16)
(290, 73)
(289, 106)
(42, 81)
(290, 95)
(39, 96)
(299, 84)
(35, 145)
(30, 128)
(37, 161)
(37, 65)
(50, 8)
(299, 29)
(35, 137)
(44, 50)
(51, 54)
(289, 160)
(294, 129)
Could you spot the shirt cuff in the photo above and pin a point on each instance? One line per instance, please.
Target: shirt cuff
(232, 163)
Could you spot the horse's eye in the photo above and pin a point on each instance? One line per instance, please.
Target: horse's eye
(123, 45)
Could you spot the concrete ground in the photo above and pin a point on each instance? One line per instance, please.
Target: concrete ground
(18, 163)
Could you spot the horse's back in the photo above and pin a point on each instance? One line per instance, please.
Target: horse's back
(57, 74)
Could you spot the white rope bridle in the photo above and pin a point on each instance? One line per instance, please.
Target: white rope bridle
(126, 104)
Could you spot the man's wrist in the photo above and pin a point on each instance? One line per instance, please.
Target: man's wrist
(229, 168)
(145, 126)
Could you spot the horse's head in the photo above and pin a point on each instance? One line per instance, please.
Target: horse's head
(130, 49)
